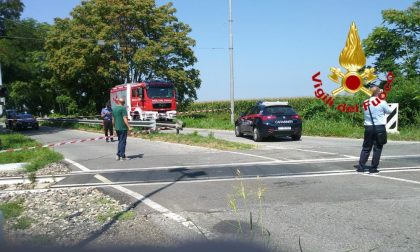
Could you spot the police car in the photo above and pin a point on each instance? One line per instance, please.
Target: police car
(269, 119)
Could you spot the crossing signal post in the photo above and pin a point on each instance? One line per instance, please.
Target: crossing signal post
(3, 93)
(392, 119)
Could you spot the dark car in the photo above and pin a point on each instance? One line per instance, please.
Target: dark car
(25, 121)
(267, 119)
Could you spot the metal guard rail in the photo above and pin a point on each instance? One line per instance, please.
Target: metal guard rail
(152, 124)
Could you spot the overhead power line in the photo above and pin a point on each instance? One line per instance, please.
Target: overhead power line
(26, 38)
(33, 38)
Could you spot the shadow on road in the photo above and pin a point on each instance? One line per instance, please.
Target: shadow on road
(43, 130)
(184, 173)
(273, 139)
(135, 156)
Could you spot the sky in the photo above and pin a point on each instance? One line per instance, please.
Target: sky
(278, 44)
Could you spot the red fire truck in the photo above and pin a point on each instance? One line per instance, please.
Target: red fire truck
(147, 100)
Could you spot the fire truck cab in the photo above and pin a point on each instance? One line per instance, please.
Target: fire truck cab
(147, 100)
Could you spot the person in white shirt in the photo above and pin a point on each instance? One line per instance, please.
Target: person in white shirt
(378, 112)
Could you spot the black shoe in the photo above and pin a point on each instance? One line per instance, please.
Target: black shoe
(107, 140)
(373, 171)
(359, 168)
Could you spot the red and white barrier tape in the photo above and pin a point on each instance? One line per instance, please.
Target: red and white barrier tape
(69, 142)
(56, 144)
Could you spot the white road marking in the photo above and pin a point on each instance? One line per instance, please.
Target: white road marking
(221, 179)
(209, 150)
(332, 153)
(252, 155)
(394, 178)
(81, 167)
(400, 156)
(403, 142)
(164, 211)
(172, 167)
(406, 168)
(276, 162)
(299, 149)
(142, 183)
(350, 156)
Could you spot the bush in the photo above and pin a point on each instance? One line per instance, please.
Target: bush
(407, 94)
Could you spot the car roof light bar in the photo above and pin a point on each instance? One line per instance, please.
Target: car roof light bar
(276, 103)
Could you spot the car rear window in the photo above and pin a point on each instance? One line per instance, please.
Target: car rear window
(279, 110)
(24, 116)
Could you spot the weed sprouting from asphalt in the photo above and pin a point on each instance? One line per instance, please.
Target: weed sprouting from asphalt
(32, 177)
(211, 135)
(261, 189)
(244, 200)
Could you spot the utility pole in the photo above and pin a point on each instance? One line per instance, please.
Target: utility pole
(232, 104)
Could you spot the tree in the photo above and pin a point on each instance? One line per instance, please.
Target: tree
(10, 11)
(141, 42)
(24, 68)
(395, 46)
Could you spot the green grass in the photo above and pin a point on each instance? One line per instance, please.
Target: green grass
(14, 140)
(12, 209)
(207, 121)
(408, 133)
(196, 140)
(121, 216)
(23, 223)
(103, 217)
(341, 127)
(37, 158)
(318, 127)
(127, 216)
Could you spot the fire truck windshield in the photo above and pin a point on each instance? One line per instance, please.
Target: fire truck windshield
(160, 92)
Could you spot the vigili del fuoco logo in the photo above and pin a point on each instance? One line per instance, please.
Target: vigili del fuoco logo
(352, 58)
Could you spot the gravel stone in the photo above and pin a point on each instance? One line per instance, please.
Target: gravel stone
(58, 168)
(57, 223)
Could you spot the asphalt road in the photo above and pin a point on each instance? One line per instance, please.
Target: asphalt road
(310, 191)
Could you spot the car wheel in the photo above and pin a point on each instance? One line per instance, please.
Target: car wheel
(238, 132)
(256, 135)
(296, 137)
(36, 126)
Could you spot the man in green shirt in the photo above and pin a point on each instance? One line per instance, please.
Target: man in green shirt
(120, 121)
